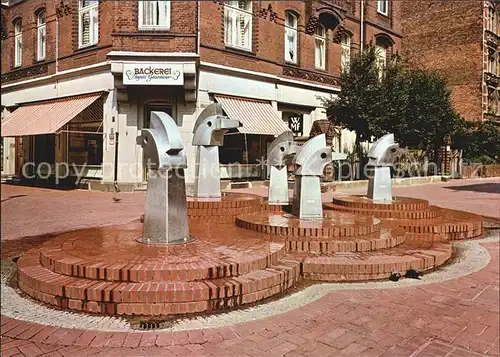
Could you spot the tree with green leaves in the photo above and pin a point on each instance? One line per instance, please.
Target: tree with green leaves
(414, 104)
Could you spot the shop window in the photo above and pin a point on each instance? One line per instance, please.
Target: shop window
(154, 15)
(320, 47)
(238, 24)
(88, 22)
(85, 143)
(41, 35)
(290, 37)
(166, 108)
(345, 52)
(383, 7)
(45, 149)
(18, 43)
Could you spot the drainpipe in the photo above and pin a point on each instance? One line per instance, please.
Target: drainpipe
(198, 29)
(57, 43)
(362, 20)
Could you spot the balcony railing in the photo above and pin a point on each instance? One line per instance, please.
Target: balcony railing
(491, 79)
(491, 38)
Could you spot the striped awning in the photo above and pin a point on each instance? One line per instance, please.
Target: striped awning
(45, 117)
(257, 116)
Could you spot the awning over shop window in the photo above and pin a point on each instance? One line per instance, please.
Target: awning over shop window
(45, 117)
(257, 116)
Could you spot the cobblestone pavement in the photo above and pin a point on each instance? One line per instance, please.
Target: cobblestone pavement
(458, 317)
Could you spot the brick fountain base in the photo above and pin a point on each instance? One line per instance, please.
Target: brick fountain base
(244, 251)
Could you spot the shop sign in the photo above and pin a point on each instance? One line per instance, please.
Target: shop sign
(295, 123)
(111, 137)
(161, 74)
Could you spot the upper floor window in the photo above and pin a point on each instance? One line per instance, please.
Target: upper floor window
(18, 43)
(381, 58)
(383, 7)
(492, 62)
(492, 20)
(154, 15)
(290, 37)
(320, 47)
(345, 51)
(88, 22)
(41, 35)
(238, 24)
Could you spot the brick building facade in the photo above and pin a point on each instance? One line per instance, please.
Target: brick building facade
(460, 39)
(83, 54)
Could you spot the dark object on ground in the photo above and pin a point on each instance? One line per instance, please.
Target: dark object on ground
(395, 276)
(413, 274)
(116, 199)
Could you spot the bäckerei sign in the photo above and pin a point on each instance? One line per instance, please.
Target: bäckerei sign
(160, 74)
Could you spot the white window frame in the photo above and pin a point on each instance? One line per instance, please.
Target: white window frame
(345, 51)
(93, 11)
(233, 14)
(383, 7)
(41, 34)
(320, 42)
(18, 43)
(291, 37)
(158, 4)
(381, 58)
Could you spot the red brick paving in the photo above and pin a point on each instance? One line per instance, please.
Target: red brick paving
(454, 318)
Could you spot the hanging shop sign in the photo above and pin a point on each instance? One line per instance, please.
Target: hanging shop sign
(160, 74)
(295, 123)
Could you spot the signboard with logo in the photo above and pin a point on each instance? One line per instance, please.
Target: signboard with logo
(159, 74)
(295, 123)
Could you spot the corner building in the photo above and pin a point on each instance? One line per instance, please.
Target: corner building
(80, 78)
(461, 40)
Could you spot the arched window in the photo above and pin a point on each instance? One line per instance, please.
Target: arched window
(88, 22)
(238, 24)
(381, 53)
(18, 43)
(320, 47)
(291, 37)
(345, 51)
(41, 34)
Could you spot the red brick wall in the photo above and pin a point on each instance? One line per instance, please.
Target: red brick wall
(268, 37)
(447, 36)
(118, 31)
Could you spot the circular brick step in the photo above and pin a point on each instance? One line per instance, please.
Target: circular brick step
(397, 204)
(113, 254)
(383, 239)
(357, 266)
(152, 297)
(425, 219)
(451, 225)
(335, 224)
(223, 210)
(430, 212)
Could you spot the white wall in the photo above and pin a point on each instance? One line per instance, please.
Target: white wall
(89, 83)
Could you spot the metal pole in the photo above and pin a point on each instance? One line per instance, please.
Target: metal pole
(362, 20)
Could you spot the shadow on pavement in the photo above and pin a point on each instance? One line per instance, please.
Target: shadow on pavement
(482, 187)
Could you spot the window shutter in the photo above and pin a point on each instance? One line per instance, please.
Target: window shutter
(85, 28)
(163, 14)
